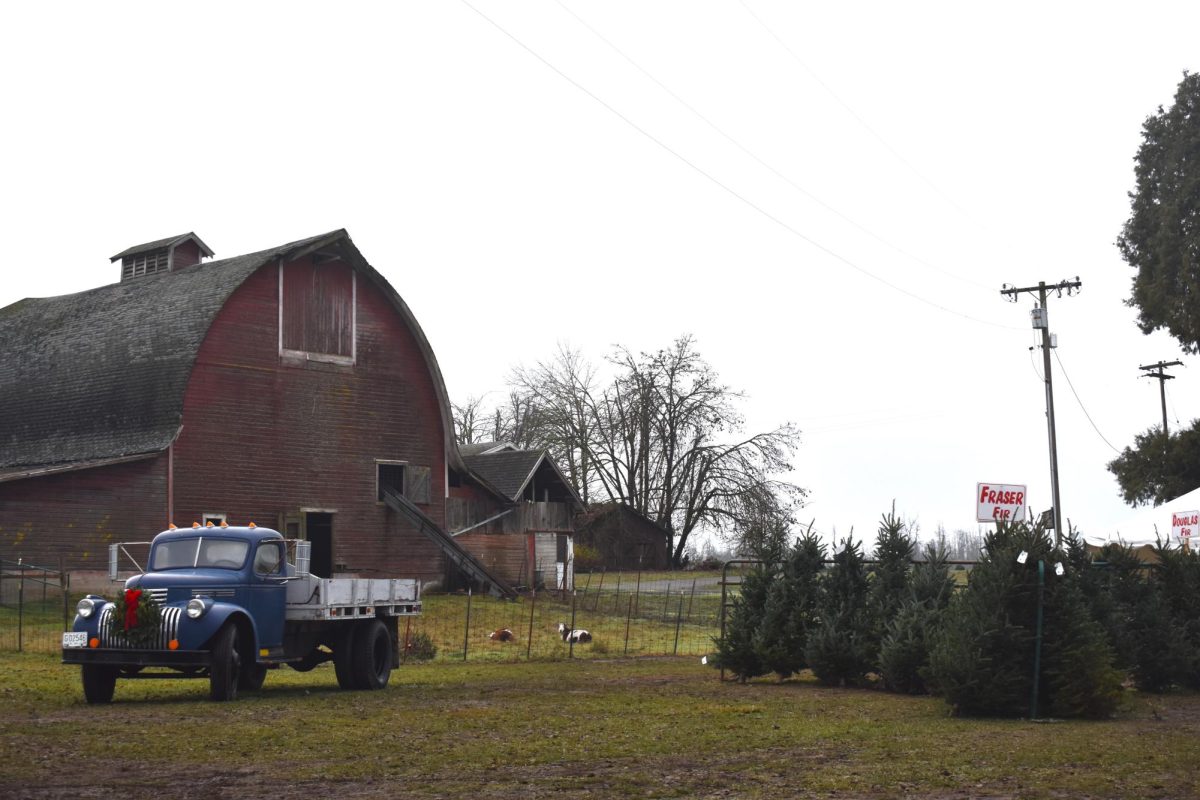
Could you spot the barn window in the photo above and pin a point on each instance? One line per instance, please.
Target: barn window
(404, 479)
(317, 314)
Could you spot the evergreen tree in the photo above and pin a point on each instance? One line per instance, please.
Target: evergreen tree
(1177, 579)
(790, 608)
(736, 652)
(839, 649)
(890, 580)
(983, 655)
(904, 651)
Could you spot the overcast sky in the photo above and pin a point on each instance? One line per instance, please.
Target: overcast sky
(827, 196)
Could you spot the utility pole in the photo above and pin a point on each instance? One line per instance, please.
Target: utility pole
(1041, 320)
(1162, 377)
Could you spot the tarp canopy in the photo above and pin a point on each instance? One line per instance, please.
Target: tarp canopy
(1149, 525)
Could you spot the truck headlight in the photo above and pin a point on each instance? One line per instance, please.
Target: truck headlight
(86, 607)
(196, 608)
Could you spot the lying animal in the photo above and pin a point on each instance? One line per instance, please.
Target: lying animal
(578, 635)
(502, 635)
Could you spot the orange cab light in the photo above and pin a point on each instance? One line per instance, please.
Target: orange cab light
(93, 642)
(173, 644)
(252, 525)
(208, 524)
(171, 527)
(224, 524)
(195, 524)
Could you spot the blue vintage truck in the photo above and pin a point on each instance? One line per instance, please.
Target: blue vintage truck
(228, 606)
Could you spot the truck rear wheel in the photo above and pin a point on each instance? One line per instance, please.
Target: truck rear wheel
(226, 665)
(99, 682)
(343, 657)
(372, 658)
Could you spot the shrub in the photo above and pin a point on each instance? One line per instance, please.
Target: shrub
(420, 648)
(587, 558)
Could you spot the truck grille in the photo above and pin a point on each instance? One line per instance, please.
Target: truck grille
(159, 595)
(168, 629)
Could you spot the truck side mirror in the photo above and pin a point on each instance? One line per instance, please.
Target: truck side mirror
(303, 556)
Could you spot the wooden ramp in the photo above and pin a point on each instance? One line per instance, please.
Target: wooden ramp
(457, 554)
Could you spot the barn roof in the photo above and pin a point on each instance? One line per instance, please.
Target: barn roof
(600, 511)
(101, 374)
(479, 448)
(510, 471)
(161, 244)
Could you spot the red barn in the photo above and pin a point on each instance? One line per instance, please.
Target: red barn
(291, 387)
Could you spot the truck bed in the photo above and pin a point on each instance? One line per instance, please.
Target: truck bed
(310, 597)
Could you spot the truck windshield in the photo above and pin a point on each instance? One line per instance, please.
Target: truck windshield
(201, 552)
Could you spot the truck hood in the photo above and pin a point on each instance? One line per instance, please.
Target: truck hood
(186, 579)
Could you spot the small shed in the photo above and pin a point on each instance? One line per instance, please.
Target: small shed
(625, 538)
(531, 543)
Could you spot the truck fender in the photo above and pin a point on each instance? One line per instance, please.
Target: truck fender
(221, 613)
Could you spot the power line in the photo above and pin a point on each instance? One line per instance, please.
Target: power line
(895, 153)
(695, 167)
(771, 168)
(1081, 406)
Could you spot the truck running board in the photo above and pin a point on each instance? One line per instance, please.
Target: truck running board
(457, 554)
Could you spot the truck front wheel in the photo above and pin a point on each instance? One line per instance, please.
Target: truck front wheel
(99, 682)
(226, 665)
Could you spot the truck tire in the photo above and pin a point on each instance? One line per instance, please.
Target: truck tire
(343, 657)
(99, 682)
(251, 677)
(226, 665)
(372, 655)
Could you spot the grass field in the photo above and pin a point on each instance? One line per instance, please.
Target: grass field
(595, 728)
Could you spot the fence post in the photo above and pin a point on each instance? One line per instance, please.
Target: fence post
(571, 634)
(467, 633)
(678, 620)
(404, 647)
(20, 605)
(600, 588)
(667, 603)
(628, 616)
(690, 599)
(617, 596)
(637, 592)
(64, 586)
(529, 638)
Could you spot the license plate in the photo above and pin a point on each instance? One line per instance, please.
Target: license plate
(75, 639)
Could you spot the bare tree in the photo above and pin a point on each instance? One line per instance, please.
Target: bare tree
(664, 437)
(468, 420)
(561, 391)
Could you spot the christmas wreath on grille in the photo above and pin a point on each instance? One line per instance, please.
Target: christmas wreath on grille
(135, 617)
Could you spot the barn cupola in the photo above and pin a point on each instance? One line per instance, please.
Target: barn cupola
(164, 255)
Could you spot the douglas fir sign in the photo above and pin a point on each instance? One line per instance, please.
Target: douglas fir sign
(997, 501)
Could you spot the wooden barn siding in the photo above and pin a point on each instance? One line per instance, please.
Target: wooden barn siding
(505, 554)
(76, 515)
(260, 439)
(186, 255)
(620, 538)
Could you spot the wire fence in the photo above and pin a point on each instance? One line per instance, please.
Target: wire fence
(623, 613)
(36, 605)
